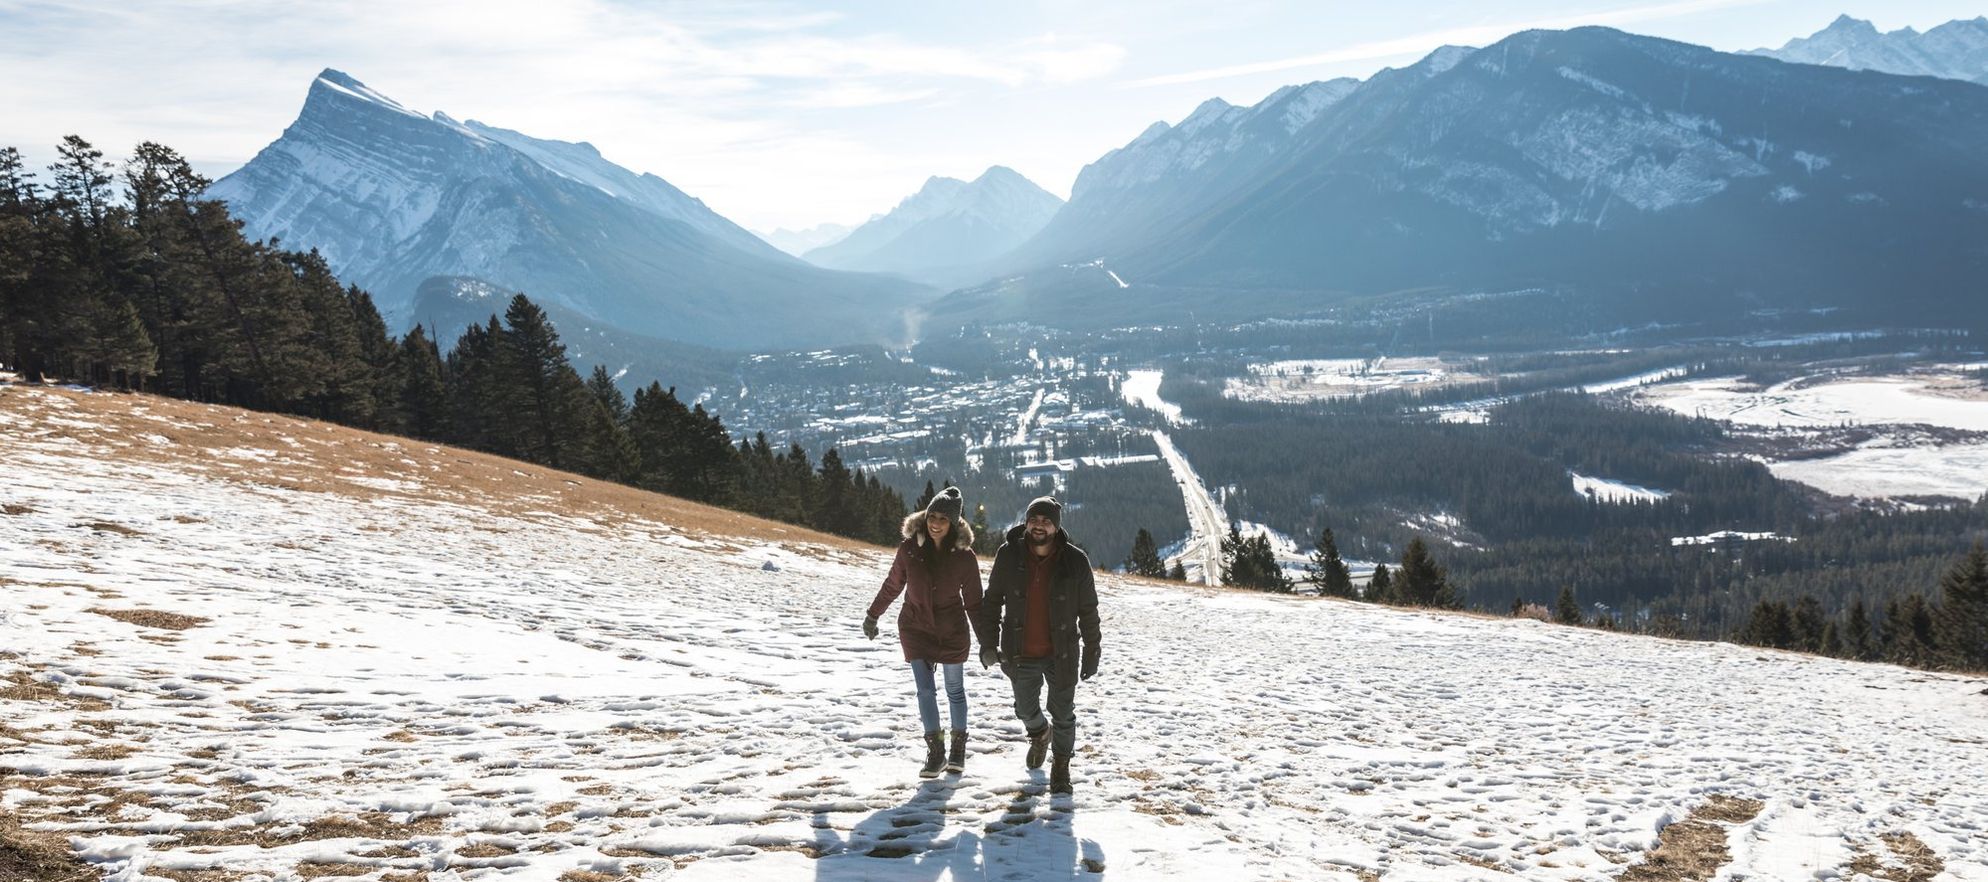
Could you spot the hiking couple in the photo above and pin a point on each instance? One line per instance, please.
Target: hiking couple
(1040, 602)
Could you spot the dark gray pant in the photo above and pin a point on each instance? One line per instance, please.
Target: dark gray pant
(1028, 676)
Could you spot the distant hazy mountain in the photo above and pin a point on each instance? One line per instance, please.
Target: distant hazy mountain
(1173, 172)
(1646, 174)
(392, 198)
(948, 226)
(1957, 50)
(799, 242)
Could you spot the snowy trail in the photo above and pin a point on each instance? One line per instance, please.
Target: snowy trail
(1207, 520)
(502, 685)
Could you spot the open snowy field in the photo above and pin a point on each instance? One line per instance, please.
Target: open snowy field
(1821, 402)
(1301, 380)
(1905, 459)
(244, 647)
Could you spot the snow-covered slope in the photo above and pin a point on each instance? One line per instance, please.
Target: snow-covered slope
(1957, 50)
(946, 229)
(392, 198)
(249, 643)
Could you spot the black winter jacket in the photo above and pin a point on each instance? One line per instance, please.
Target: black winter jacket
(1073, 604)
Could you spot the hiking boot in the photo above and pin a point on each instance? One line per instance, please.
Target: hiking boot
(1038, 747)
(1059, 774)
(956, 760)
(935, 755)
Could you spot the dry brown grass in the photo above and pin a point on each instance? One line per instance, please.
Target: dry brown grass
(368, 825)
(578, 875)
(1915, 861)
(14, 508)
(199, 875)
(485, 850)
(1693, 850)
(151, 618)
(329, 457)
(114, 751)
(108, 527)
(22, 686)
(314, 870)
(30, 855)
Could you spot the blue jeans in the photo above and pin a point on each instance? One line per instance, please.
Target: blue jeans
(928, 699)
(1028, 676)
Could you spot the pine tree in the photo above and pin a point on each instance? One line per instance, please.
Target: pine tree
(1420, 582)
(423, 409)
(1908, 632)
(608, 394)
(925, 498)
(836, 514)
(1856, 633)
(1805, 624)
(1145, 558)
(1232, 547)
(539, 401)
(1771, 624)
(983, 538)
(1326, 571)
(1380, 586)
(1567, 610)
(1960, 628)
(1179, 572)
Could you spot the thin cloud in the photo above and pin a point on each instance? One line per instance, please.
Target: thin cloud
(1470, 36)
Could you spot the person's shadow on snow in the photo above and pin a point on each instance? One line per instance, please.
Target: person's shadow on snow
(911, 842)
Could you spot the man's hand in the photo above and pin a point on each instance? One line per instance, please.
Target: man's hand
(870, 627)
(989, 656)
(1090, 668)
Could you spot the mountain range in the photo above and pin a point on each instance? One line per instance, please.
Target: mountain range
(799, 242)
(392, 198)
(945, 232)
(1957, 50)
(1650, 179)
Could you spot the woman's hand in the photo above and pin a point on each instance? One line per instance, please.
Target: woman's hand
(870, 627)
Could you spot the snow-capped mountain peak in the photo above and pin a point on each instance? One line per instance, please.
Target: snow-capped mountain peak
(391, 198)
(340, 83)
(946, 225)
(1956, 50)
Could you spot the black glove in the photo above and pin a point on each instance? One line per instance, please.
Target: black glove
(989, 656)
(870, 627)
(1090, 668)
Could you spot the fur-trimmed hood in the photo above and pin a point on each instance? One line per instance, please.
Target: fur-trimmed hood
(914, 528)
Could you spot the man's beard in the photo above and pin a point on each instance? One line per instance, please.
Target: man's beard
(1040, 542)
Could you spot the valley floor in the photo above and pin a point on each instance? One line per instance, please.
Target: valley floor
(237, 646)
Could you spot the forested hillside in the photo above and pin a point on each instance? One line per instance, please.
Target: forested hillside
(128, 278)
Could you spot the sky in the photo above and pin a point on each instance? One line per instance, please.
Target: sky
(776, 114)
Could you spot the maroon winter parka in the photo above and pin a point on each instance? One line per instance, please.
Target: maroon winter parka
(936, 619)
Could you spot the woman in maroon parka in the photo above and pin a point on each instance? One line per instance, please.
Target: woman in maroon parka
(939, 576)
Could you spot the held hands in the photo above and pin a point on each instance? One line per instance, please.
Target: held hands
(1090, 668)
(989, 657)
(870, 627)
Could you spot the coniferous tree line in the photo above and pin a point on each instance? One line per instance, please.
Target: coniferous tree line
(1250, 562)
(130, 278)
(1949, 630)
(1507, 481)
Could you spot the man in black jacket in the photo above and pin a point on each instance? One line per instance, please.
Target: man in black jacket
(1040, 599)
